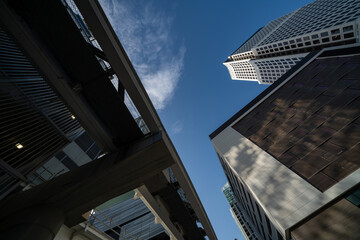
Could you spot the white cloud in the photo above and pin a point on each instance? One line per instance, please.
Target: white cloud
(176, 127)
(145, 32)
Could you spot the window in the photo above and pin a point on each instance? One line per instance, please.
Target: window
(69, 163)
(60, 155)
(348, 28)
(336, 37)
(88, 145)
(354, 197)
(348, 35)
(324, 34)
(315, 36)
(335, 31)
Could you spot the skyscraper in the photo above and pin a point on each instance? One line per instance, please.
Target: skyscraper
(291, 155)
(239, 215)
(283, 42)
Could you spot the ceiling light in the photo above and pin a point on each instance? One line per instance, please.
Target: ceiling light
(72, 116)
(19, 146)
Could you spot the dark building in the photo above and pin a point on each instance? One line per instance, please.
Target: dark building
(292, 154)
(69, 143)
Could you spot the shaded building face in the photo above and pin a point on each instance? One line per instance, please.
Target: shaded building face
(312, 124)
(292, 152)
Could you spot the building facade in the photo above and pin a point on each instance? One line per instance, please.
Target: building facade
(291, 154)
(242, 220)
(125, 217)
(320, 24)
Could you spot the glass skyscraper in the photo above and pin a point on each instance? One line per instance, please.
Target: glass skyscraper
(239, 215)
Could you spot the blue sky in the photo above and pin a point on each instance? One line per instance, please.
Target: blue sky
(177, 48)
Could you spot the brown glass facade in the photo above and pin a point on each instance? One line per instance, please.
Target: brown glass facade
(340, 220)
(311, 124)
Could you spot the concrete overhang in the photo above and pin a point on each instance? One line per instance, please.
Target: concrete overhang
(88, 186)
(94, 108)
(118, 59)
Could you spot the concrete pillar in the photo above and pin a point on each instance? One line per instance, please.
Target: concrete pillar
(37, 222)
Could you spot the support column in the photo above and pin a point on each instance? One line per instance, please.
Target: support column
(37, 222)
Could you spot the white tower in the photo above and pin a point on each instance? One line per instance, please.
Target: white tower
(283, 42)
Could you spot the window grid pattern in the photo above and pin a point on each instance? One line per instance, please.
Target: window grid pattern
(330, 36)
(272, 69)
(315, 16)
(62, 162)
(243, 56)
(242, 70)
(245, 227)
(240, 198)
(261, 34)
(323, 23)
(125, 220)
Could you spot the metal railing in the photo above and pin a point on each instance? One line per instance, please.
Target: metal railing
(110, 226)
